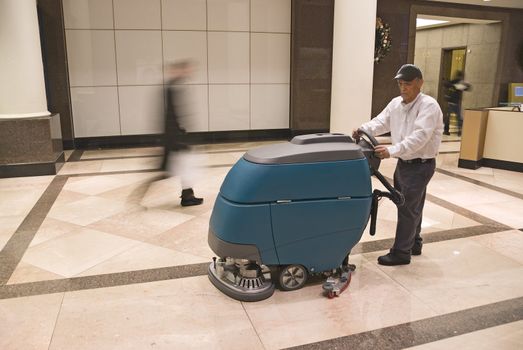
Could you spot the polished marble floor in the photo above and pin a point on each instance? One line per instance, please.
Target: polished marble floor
(102, 256)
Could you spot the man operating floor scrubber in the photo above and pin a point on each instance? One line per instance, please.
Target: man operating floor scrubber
(290, 210)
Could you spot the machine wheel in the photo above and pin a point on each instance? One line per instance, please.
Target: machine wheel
(293, 277)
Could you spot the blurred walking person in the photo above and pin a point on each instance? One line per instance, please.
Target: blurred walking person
(454, 96)
(176, 158)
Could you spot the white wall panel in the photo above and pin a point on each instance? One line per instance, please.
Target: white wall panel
(228, 57)
(179, 45)
(88, 14)
(230, 15)
(270, 106)
(184, 14)
(271, 16)
(137, 14)
(141, 109)
(91, 57)
(270, 58)
(228, 107)
(95, 111)
(118, 49)
(139, 57)
(195, 109)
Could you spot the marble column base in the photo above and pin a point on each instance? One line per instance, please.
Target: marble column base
(30, 146)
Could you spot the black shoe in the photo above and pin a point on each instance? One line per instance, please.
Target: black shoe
(416, 249)
(189, 199)
(446, 133)
(392, 259)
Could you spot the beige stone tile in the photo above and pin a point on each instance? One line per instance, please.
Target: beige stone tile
(25, 183)
(186, 313)
(25, 273)
(372, 301)
(52, 228)
(81, 167)
(450, 146)
(28, 323)
(72, 253)
(507, 337)
(506, 212)
(19, 201)
(8, 226)
(88, 210)
(189, 237)
(130, 164)
(458, 274)
(141, 224)
(66, 197)
(467, 197)
(508, 243)
(144, 256)
(435, 218)
(104, 183)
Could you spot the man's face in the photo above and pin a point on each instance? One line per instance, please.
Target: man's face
(409, 89)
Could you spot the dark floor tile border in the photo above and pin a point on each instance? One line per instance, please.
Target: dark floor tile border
(462, 211)
(193, 270)
(430, 237)
(481, 183)
(75, 156)
(428, 330)
(465, 212)
(15, 248)
(102, 281)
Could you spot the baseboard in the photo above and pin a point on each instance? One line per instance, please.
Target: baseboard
(469, 164)
(32, 169)
(502, 164)
(192, 138)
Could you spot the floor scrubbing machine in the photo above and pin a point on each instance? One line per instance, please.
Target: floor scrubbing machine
(290, 210)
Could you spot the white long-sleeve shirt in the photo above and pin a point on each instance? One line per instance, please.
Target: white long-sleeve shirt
(415, 128)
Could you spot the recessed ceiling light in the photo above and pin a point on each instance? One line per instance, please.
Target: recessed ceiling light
(423, 22)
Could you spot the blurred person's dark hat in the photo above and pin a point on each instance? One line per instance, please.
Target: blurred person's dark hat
(408, 72)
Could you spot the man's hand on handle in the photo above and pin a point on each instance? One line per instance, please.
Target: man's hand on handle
(381, 151)
(356, 135)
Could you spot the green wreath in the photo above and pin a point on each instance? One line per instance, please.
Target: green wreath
(383, 42)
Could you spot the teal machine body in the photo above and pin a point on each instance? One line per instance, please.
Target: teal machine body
(303, 204)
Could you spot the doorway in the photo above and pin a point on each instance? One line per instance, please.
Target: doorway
(452, 61)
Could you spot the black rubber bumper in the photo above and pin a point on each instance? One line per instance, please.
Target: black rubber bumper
(238, 251)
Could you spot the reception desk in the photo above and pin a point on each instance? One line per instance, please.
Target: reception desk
(492, 137)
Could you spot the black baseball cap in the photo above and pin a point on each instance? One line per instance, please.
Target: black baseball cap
(409, 72)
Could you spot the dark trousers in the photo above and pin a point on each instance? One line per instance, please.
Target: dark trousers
(412, 181)
(456, 109)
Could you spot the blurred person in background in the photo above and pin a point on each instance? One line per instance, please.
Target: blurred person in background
(454, 95)
(176, 158)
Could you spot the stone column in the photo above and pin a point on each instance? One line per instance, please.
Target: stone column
(22, 87)
(352, 64)
(30, 137)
